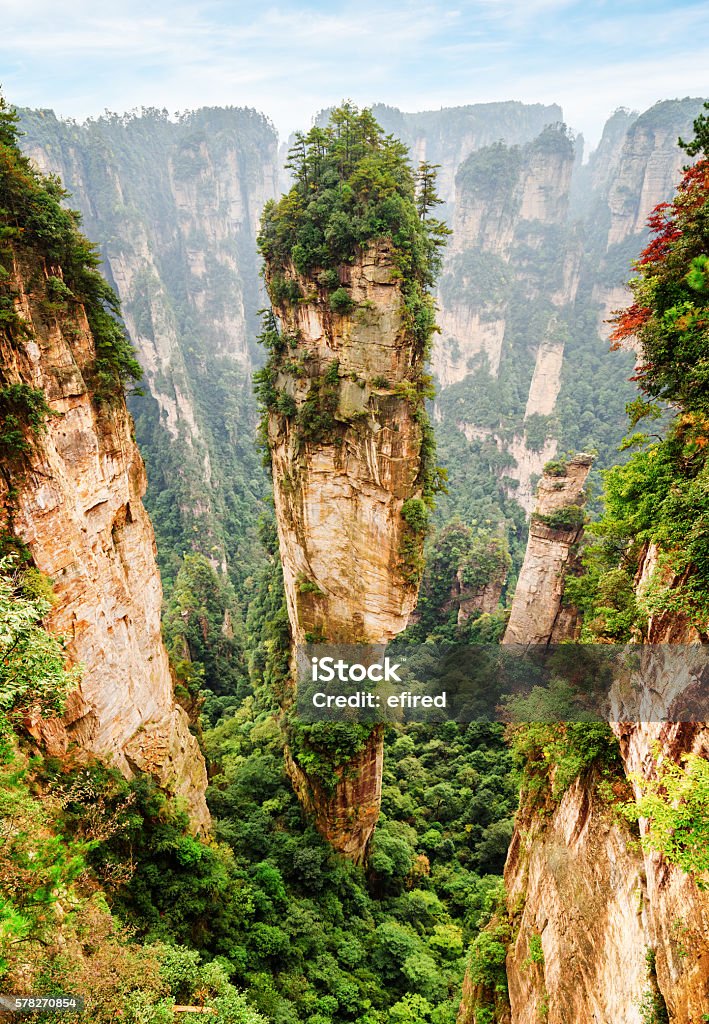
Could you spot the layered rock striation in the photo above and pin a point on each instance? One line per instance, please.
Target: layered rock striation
(347, 476)
(74, 499)
(175, 203)
(340, 484)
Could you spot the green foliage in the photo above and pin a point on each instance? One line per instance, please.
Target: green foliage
(537, 431)
(356, 940)
(36, 866)
(414, 512)
(23, 414)
(352, 185)
(653, 1008)
(699, 145)
(675, 803)
(487, 957)
(669, 314)
(202, 629)
(535, 953)
(555, 467)
(552, 754)
(33, 223)
(487, 971)
(32, 661)
(570, 517)
(315, 420)
(325, 749)
(491, 171)
(56, 930)
(605, 595)
(460, 561)
(661, 495)
(341, 302)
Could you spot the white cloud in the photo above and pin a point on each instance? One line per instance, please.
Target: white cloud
(290, 61)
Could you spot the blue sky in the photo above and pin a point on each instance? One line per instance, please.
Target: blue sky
(289, 59)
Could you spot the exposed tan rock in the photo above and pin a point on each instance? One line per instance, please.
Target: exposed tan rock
(535, 616)
(499, 227)
(600, 903)
(545, 185)
(78, 508)
(544, 389)
(339, 500)
(347, 816)
(649, 170)
(578, 878)
(178, 241)
(574, 880)
(480, 335)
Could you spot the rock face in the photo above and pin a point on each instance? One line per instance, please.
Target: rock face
(600, 905)
(339, 497)
(649, 168)
(541, 249)
(578, 886)
(77, 506)
(556, 527)
(507, 200)
(448, 136)
(175, 205)
(638, 165)
(340, 486)
(615, 930)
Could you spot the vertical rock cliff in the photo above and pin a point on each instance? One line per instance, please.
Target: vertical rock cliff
(597, 927)
(340, 486)
(506, 296)
(71, 491)
(623, 933)
(538, 260)
(346, 473)
(537, 616)
(349, 252)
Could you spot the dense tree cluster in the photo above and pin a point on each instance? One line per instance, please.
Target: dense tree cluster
(33, 222)
(353, 184)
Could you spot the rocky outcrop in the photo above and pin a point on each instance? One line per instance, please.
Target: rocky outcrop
(507, 200)
(448, 136)
(75, 502)
(175, 203)
(510, 278)
(650, 166)
(345, 462)
(555, 529)
(576, 889)
(544, 389)
(601, 928)
(643, 166)
(340, 490)
(347, 816)
(617, 927)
